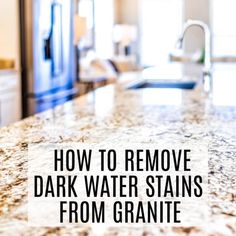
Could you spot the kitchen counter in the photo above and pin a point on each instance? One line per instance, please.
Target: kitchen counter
(115, 114)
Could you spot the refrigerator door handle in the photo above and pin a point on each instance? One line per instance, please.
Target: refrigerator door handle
(56, 40)
(48, 41)
(47, 49)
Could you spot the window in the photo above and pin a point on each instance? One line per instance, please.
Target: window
(100, 21)
(86, 10)
(223, 27)
(104, 21)
(161, 23)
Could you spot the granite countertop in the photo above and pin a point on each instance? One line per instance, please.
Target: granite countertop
(115, 114)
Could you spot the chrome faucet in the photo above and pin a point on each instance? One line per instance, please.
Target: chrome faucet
(205, 28)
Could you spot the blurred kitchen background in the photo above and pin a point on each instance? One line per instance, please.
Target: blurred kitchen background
(54, 50)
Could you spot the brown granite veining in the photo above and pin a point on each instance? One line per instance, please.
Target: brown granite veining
(116, 114)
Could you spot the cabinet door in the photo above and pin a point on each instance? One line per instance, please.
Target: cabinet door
(9, 111)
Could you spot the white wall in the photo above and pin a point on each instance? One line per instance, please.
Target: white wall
(9, 30)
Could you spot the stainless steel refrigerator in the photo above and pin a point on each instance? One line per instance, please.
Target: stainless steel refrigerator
(47, 54)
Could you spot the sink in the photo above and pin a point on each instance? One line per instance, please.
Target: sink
(170, 84)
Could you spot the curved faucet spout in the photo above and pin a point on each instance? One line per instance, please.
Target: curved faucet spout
(206, 30)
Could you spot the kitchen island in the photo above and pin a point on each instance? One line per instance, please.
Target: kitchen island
(115, 114)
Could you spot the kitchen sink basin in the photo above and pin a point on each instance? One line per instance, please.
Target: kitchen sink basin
(169, 84)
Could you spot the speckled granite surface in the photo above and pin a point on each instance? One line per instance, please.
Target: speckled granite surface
(116, 114)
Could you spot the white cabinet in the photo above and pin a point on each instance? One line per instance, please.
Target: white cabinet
(10, 102)
(9, 113)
